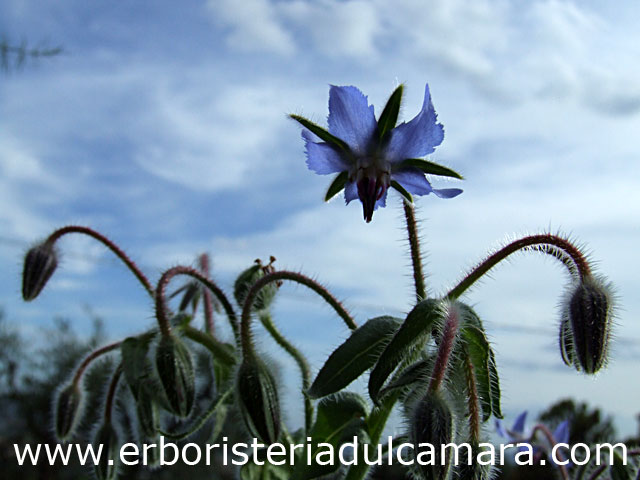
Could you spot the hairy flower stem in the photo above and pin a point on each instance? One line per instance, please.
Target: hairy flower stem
(299, 358)
(245, 322)
(552, 442)
(111, 393)
(445, 347)
(90, 358)
(208, 308)
(472, 400)
(558, 247)
(211, 343)
(110, 245)
(162, 311)
(416, 257)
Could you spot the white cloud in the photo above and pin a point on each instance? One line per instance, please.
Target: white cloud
(253, 26)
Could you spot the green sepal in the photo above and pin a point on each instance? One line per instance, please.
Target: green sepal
(176, 372)
(136, 364)
(416, 328)
(341, 417)
(336, 186)
(429, 167)
(402, 191)
(355, 356)
(321, 133)
(389, 116)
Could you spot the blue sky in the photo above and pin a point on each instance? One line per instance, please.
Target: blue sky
(165, 128)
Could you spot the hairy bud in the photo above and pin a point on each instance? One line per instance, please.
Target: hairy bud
(258, 400)
(175, 370)
(589, 313)
(107, 468)
(251, 275)
(432, 423)
(39, 264)
(147, 414)
(473, 470)
(68, 409)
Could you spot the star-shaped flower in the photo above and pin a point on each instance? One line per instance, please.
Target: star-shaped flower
(372, 155)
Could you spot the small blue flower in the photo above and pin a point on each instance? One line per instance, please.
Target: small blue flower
(372, 155)
(519, 434)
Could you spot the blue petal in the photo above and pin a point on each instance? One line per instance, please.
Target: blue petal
(447, 192)
(413, 180)
(518, 425)
(351, 118)
(561, 433)
(417, 138)
(322, 158)
(350, 192)
(500, 429)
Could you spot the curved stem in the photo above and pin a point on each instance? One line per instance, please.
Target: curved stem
(445, 347)
(161, 305)
(208, 307)
(301, 361)
(90, 358)
(558, 247)
(202, 420)
(245, 322)
(416, 257)
(222, 351)
(472, 400)
(113, 387)
(552, 442)
(110, 245)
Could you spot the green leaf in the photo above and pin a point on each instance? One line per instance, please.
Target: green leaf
(477, 347)
(341, 417)
(336, 186)
(415, 330)
(356, 355)
(483, 360)
(429, 167)
(495, 385)
(402, 191)
(251, 471)
(389, 116)
(417, 372)
(323, 134)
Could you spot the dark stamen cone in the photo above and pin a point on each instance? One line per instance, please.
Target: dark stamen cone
(257, 397)
(589, 312)
(175, 370)
(39, 264)
(432, 423)
(67, 411)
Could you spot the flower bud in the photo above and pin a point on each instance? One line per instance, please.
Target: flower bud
(39, 264)
(68, 410)
(147, 414)
(475, 470)
(257, 397)
(251, 275)
(107, 468)
(432, 423)
(175, 370)
(589, 312)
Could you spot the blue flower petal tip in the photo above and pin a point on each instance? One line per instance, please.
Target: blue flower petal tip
(376, 154)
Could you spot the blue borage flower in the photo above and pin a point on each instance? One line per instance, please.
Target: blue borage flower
(370, 156)
(519, 434)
